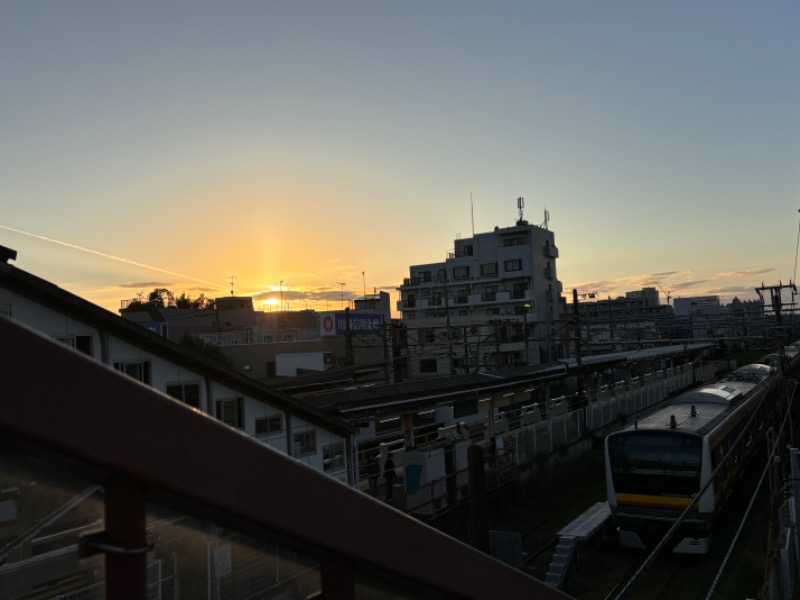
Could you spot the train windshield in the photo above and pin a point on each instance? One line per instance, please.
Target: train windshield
(656, 463)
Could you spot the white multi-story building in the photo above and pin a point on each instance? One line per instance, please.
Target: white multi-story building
(696, 304)
(494, 302)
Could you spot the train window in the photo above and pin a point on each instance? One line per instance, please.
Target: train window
(656, 463)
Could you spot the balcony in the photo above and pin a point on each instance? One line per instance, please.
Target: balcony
(550, 251)
(153, 501)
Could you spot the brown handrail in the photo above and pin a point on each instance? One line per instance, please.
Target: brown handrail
(61, 401)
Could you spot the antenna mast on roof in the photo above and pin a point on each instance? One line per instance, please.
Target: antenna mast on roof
(232, 278)
(546, 218)
(472, 214)
(520, 208)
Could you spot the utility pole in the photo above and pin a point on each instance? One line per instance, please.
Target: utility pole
(578, 360)
(526, 333)
(342, 284)
(447, 322)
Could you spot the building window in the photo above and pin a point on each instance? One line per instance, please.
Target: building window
(493, 311)
(517, 241)
(231, 412)
(462, 296)
(138, 370)
(188, 393)
(513, 265)
(411, 301)
(441, 275)
(425, 276)
(428, 365)
(460, 272)
(333, 457)
(518, 290)
(489, 293)
(436, 299)
(468, 250)
(489, 269)
(269, 425)
(305, 443)
(81, 343)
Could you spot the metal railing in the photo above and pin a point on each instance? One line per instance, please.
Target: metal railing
(528, 432)
(146, 449)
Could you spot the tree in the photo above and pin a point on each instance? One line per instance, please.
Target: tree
(159, 295)
(201, 302)
(163, 298)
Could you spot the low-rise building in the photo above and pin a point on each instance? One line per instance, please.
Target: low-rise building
(207, 385)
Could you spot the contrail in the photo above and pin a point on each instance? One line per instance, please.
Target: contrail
(109, 256)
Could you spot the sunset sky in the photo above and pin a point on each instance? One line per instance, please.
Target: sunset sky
(314, 143)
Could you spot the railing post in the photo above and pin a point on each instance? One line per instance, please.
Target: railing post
(338, 579)
(125, 542)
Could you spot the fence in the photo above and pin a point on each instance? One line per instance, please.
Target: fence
(531, 431)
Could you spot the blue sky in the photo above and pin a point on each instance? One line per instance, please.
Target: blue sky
(318, 142)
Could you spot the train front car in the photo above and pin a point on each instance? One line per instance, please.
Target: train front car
(656, 467)
(653, 472)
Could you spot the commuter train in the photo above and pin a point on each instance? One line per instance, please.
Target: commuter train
(656, 466)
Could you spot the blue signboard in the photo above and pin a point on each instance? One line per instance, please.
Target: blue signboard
(335, 323)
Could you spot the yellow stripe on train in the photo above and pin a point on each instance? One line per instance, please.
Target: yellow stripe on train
(653, 501)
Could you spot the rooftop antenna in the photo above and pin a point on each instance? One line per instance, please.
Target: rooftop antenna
(232, 278)
(796, 250)
(472, 213)
(520, 208)
(364, 282)
(546, 218)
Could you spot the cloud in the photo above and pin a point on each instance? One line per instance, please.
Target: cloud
(682, 285)
(119, 259)
(744, 273)
(145, 285)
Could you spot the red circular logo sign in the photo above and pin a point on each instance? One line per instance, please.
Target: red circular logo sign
(327, 324)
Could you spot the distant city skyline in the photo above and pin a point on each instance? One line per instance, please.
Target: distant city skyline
(179, 145)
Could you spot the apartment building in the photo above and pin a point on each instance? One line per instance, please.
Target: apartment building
(494, 302)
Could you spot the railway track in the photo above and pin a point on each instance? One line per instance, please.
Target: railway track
(603, 567)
